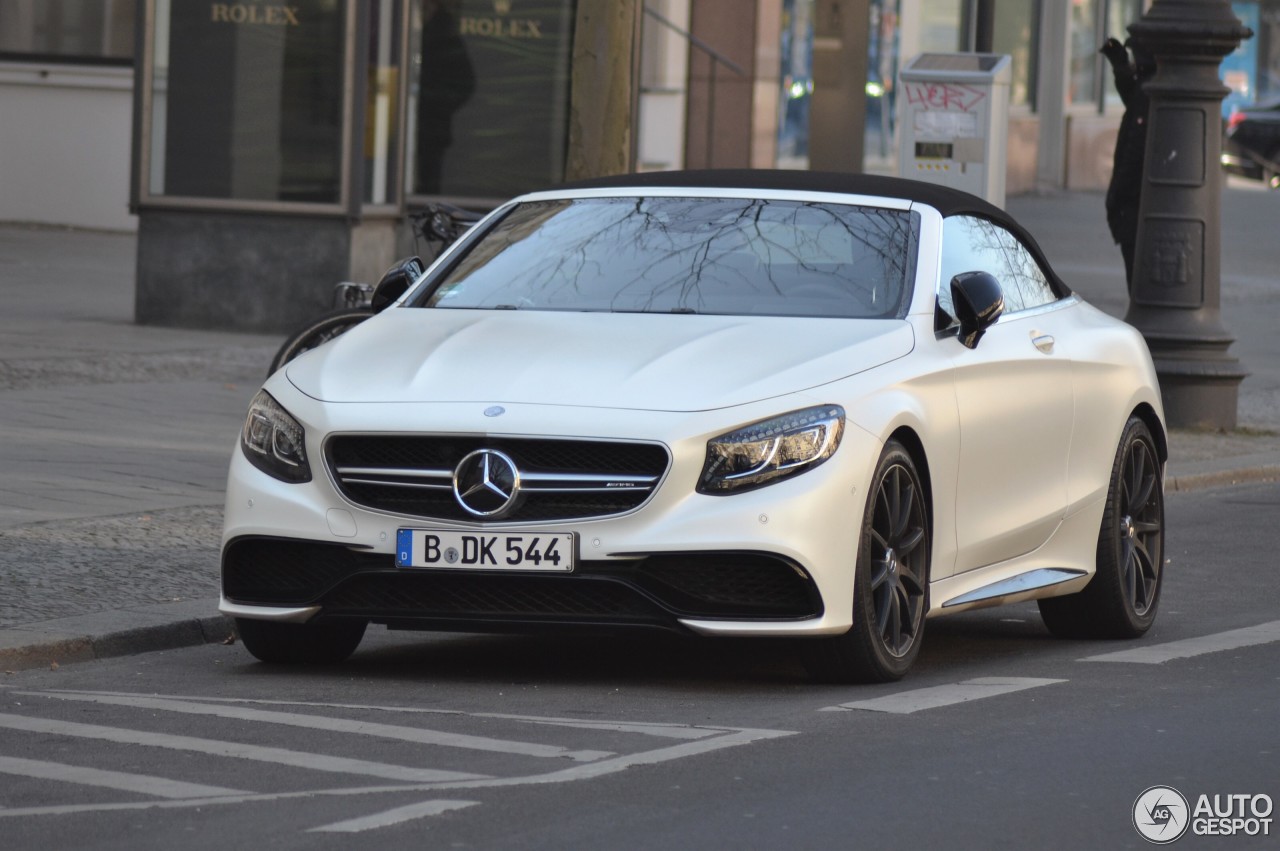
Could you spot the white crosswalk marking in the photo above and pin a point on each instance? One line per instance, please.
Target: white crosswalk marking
(396, 816)
(663, 730)
(590, 764)
(904, 703)
(416, 735)
(143, 784)
(279, 756)
(666, 731)
(1155, 654)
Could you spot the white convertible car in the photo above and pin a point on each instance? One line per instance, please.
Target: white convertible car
(727, 403)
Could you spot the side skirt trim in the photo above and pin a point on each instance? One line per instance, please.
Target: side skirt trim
(1032, 580)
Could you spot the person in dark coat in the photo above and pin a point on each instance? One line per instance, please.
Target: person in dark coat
(1125, 191)
(446, 81)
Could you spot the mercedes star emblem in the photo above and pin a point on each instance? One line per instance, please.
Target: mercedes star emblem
(486, 483)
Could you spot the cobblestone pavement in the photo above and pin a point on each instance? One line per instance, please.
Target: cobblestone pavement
(230, 364)
(59, 569)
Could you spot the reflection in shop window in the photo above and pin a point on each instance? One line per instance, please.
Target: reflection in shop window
(489, 96)
(1016, 32)
(247, 107)
(796, 81)
(382, 96)
(95, 31)
(1119, 14)
(1082, 84)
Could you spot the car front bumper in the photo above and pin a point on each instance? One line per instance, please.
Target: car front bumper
(777, 560)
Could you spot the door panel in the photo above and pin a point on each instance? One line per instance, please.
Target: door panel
(1016, 407)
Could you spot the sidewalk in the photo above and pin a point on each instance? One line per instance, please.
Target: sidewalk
(116, 437)
(114, 453)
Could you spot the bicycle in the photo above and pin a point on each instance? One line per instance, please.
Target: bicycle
(439, 224)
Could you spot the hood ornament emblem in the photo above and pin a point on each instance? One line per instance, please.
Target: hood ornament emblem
(495, 411)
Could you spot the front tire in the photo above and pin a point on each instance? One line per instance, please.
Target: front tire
(1121, 599)
(300, 643)
(891, 582)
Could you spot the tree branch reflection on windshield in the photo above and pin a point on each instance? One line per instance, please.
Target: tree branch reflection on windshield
(689, 255)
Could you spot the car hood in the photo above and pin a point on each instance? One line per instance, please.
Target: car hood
(656, 362)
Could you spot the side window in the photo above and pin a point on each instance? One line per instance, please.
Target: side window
(970, 244)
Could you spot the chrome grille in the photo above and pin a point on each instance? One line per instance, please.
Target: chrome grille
(559, 479)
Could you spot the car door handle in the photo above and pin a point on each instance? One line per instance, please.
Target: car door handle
(1043, 342)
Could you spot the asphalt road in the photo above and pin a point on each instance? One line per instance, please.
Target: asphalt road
(1001, 736)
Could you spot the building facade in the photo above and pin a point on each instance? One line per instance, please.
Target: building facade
(451, 109)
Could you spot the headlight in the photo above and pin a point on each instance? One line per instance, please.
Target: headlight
(770, 450)
(273, 441)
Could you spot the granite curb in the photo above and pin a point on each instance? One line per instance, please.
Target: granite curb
(1267, 469)
(119, 632)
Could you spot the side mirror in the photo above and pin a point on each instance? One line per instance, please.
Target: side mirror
(395, 281)
(978, 302)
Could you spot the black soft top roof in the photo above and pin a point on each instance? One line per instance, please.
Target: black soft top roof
(947, 201)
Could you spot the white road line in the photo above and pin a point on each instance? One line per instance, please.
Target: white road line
(653, 728)
(257, 701)
(143, 784)
(1157, 653)
(416, 735)
(904, 703)
(278, 756)
(396, 816)
(731, 737)
(666, 731)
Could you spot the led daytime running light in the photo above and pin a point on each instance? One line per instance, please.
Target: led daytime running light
(772, 449)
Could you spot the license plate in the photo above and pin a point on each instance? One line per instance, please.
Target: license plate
(485, 551)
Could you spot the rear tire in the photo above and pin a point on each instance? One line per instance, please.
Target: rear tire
(300, 643)
(1122, 598)
(316, 333)
(891, 582)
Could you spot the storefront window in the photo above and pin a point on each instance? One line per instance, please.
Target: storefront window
(882, 74)
(246, 101)
(940, 26)
(382, 102)
(1269, 49)
(92, 31)
(1016, 33)
(1082, 87)
(1119, 14)
(489, 96)
(796, 82)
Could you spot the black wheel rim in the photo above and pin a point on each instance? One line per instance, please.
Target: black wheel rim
(1141, 526)
(899, 557)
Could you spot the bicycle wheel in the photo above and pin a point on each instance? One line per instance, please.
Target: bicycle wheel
(318, 332)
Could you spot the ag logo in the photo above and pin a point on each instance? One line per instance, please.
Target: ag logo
(1161, 814)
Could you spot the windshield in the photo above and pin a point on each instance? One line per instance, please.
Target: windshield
(688, 255)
